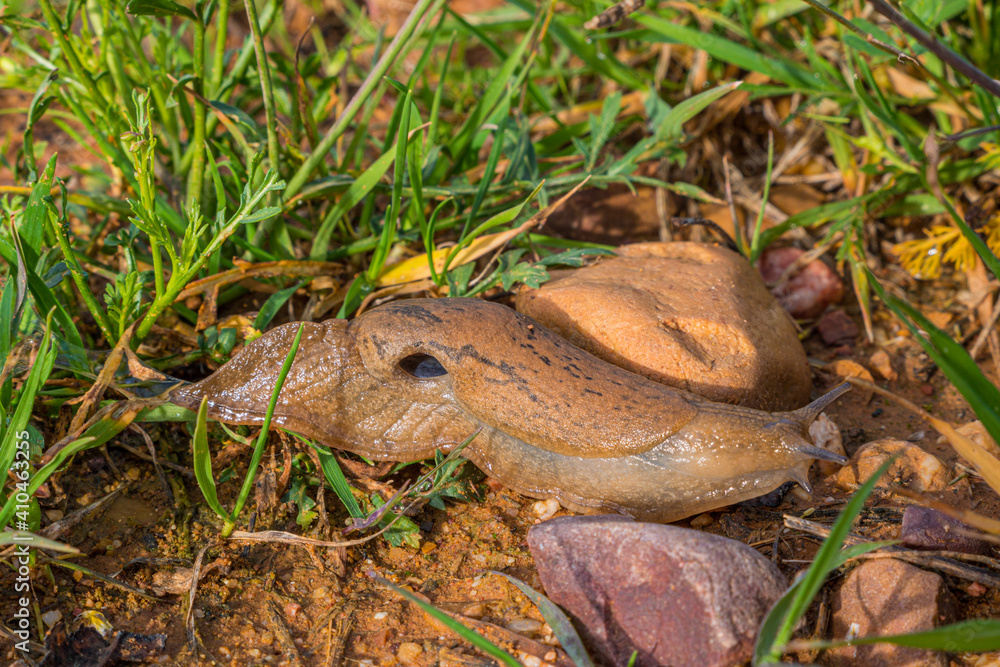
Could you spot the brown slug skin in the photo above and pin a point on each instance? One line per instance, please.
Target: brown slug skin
(557, 422)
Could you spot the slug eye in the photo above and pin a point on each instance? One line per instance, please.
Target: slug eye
(422, 366)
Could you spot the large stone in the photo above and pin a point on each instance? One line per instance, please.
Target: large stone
(914, 468)
(889, 597)
(676, 596)
(694, 316)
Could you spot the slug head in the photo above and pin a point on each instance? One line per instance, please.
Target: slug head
(725, 441)
(798, 437)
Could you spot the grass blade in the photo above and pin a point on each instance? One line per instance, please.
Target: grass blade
(557, 619)
(455, 626)
(335, 476)
(258, 450)
(973, 636)
(358, 190)
(203, 462)
(779, 611)
(951, 358)
(13, 431)
(785, 71)
(673, 123)
(46, 471)
(274, 303)
(34, 541)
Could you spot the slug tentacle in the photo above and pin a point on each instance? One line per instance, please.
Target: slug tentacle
(808, 414)
(414, 376)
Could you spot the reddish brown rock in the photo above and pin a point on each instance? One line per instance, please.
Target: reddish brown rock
(806, 294)
(913, 467)
(925, 528)
(691, 315)
(889, 597)
(676, 596)
(836, 328)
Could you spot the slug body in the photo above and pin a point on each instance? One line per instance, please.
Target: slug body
(414, 376)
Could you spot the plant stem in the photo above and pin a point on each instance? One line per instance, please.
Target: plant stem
(971, 72)
(264, 71)
(56, 27)
(406, 31)
(81, 283)
(218, 57)
(239, 69)
(197, 173)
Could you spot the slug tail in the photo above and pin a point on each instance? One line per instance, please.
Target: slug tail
(808, 414)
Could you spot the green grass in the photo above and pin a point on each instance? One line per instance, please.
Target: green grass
(212, 151)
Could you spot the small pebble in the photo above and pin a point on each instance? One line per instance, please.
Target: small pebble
(836, 328)
(678, 596)
(380, 615)
(808, 293)
(524, 626)
(427, 547)
(912, 467)
(546, 509)
(408, 652)
(927, 389)
(267, 638)
(292, 609)
(54, 515)
(321, 592)
(882, 365)
(50, 618)
(701, 520)
(475, 610)
(975, 589)
(826, 435)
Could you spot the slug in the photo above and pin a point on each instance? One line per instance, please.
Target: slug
(418, 375)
